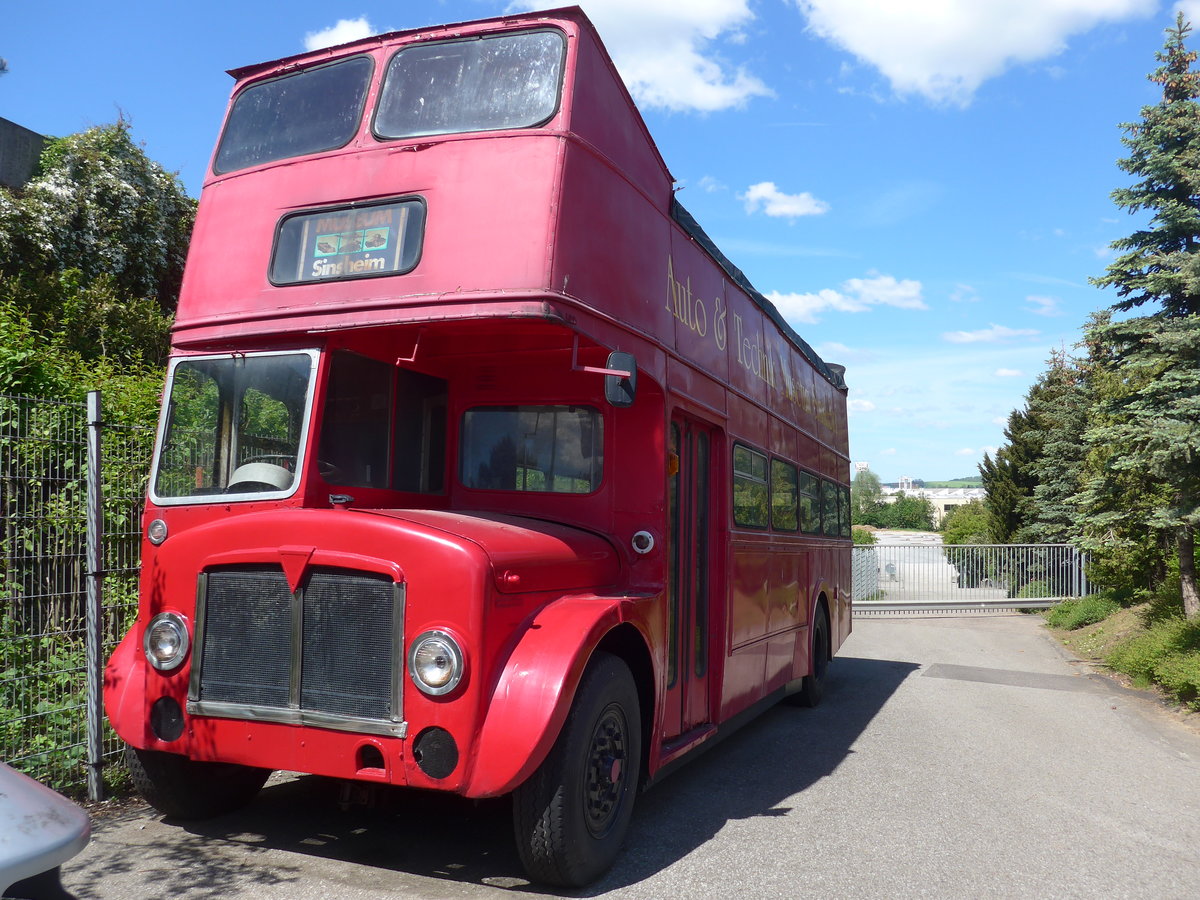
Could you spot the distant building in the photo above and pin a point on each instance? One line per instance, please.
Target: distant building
(19, 152)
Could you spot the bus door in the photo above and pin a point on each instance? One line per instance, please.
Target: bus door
(692, 559)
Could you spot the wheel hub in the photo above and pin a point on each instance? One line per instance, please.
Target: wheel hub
(604, 775)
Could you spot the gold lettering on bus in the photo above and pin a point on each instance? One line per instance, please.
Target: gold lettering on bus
(752, 354)
(682, 305)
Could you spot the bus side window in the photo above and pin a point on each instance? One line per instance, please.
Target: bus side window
(420, 459)
(783, 496)
(829, 509)
(749, 488)
(810, 504)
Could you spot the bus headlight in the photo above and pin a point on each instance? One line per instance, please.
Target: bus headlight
(166, 641)
(435, 663)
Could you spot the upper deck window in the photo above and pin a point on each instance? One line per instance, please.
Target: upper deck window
(306, 112)
(485, 84)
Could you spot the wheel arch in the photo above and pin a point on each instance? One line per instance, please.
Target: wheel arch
(538, 684)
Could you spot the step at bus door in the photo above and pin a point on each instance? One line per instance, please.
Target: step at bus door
(690, 496)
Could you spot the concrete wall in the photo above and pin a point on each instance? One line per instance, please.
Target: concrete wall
(19, 152)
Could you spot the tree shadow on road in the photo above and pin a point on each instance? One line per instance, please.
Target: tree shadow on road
(437, 836)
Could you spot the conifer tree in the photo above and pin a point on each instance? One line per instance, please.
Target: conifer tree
(1149, 427)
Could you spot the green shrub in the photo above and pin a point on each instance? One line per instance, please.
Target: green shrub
(1168, 655)
(1034, 590)
(1072, 614)
(862, 536)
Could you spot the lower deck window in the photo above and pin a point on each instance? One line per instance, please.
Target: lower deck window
(558, 449)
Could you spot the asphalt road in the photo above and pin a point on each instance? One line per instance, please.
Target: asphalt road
(954, 756)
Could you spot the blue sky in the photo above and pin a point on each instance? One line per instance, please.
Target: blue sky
(922, 186)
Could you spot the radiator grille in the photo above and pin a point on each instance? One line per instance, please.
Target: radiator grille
(325, 655)
(247, 637)
(347, 656)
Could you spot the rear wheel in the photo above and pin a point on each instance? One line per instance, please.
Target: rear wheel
(187, 789)
(571, 816)
(812, 689)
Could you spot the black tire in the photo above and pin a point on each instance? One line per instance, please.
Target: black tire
(570, 818)
(187, 789)
(812, 688)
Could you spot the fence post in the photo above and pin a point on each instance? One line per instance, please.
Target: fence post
(95, 601)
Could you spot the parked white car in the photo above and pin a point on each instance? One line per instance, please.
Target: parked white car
(39, 831)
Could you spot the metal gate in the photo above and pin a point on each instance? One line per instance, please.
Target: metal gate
(925, 575)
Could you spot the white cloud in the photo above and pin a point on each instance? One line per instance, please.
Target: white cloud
(993, 334)
(775, 203)
(665, 50)
(855, 405)
(1009, 373)
(944, 50)
(1002, 421)
(856, 295)
(344, 31)
(1043, 306)
(1190, 10)
(890, 451)
(965, 451)
(710, 185)
(964, 293)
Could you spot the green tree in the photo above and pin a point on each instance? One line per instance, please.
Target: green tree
(866, 494)
(967, 524)
(91, 260)
(1058, 406)
(1149, 429)
(1009, 479)
(906, 512)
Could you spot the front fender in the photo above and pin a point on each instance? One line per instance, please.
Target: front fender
(125, 690)
(535, 691)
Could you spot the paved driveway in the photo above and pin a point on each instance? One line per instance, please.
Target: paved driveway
(955, 756)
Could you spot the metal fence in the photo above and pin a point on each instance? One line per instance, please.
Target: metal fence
(71, 491)
(932, 576)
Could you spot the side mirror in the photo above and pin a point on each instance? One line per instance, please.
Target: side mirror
(620, 385)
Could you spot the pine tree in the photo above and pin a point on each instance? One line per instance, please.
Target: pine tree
(1150, 425)
(1058, 404)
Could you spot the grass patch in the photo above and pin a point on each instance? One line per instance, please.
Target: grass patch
(1071, 615)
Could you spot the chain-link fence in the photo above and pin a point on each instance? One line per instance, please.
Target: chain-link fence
(66, 578)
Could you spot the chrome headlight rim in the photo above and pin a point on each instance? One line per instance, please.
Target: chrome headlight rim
(454, 656)
(176, 626)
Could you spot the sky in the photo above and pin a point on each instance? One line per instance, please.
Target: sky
(921, 186)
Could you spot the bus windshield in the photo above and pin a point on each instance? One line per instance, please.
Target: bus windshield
(485, 84)
(305, 112)
(234, 426)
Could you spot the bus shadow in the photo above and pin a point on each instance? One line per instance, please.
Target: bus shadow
(426, 834)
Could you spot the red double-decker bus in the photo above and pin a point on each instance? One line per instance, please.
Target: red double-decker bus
(480, 468)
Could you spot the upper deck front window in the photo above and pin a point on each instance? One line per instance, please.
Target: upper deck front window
(306, 112)
(486, 84)
(235, 427)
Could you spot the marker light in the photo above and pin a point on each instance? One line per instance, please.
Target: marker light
(166, 641)
(435, 663)
(157, 532)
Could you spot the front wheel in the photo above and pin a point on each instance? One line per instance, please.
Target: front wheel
(570, 818)
(188, 789)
